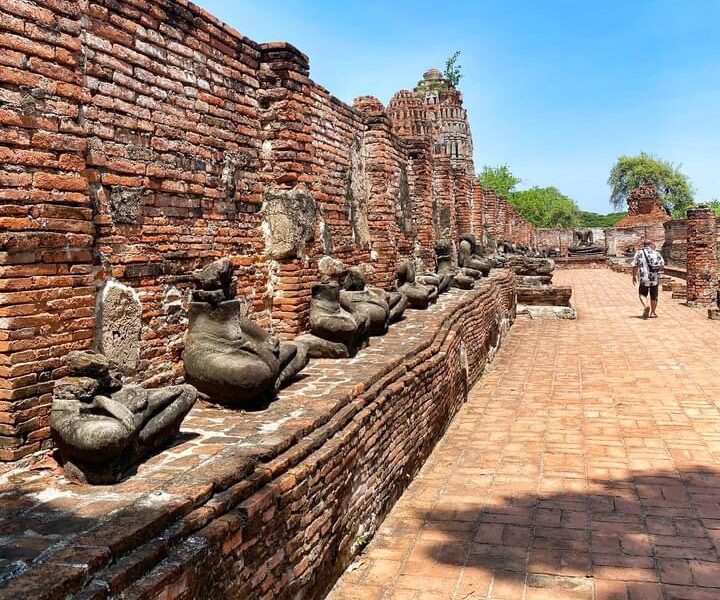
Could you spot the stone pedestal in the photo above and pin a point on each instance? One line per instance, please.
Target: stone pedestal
(702, 272)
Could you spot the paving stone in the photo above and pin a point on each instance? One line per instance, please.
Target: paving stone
(585, 463)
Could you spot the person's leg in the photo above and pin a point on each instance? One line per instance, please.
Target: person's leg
(654, 293)
(642, 294)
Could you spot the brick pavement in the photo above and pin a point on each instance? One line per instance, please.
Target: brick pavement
(584, 466)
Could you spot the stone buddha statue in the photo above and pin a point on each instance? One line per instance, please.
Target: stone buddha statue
(441, 281)
(467, 257)
(227, 356)
(102, 428)
(330, 321)
(447, 267)
(343, 316)
(418, 295)
(358, 299)
(396, 302)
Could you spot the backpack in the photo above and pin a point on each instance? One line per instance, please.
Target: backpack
(651, 268)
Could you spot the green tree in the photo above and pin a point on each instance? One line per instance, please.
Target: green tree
(452, 74)
(630, 172)
(546, 207)
(591, 219)
(499, 179)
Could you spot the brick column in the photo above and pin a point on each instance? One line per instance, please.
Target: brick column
(490, 212)
(421, 183)
(46, 216)
(702, 275)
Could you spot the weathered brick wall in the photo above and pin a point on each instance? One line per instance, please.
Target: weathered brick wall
(463, 201)
(556, 239)
(444, 208)
(390, 213)
(420, 175)
(490, 201)
(702, 260)
(598, 234)
(140, 140)
(477, 212)
(674, 248)
(501, 214)
(562, 239)
(46, 218)
(622, 240)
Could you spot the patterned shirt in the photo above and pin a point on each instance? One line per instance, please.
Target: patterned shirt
(650, 262)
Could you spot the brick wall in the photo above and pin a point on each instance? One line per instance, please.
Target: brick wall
(556, 239)
(141, 140)
(674, 248)
(46, 221)
(702, 259)
(622, 240)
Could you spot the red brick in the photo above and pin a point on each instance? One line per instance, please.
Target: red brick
(49, 181)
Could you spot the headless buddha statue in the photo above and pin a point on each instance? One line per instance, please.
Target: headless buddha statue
(228, 357)
(102, 428)
(418, 295)
(467, 257)
(447, 266)
(358, 299)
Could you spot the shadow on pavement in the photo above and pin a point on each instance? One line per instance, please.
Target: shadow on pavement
(652, 536)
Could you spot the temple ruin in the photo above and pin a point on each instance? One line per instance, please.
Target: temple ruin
(237, 313)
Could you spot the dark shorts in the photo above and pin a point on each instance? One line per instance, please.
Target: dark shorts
(652, 289)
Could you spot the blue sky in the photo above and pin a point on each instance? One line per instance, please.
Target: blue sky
(557, 89)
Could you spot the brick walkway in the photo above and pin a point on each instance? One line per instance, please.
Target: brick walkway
(585, 465)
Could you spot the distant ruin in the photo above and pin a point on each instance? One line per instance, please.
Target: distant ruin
(646, 219)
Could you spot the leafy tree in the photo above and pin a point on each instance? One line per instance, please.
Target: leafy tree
(546, 207)
(499, 179)
(591, 219)
(715, 205)
(452, 74)
(630, 172)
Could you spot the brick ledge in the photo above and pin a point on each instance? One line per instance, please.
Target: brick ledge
(174, 523)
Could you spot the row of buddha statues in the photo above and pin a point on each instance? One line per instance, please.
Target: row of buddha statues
(103, 428)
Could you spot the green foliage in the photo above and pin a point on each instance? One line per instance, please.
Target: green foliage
(591, 219)
(546, 207)
(452, 74)
(362, 540)
(630, 172)
(715, 205)
(499, 179)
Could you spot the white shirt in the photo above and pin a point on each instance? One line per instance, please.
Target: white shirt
(650, 262)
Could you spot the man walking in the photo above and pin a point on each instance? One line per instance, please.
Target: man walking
(648, 263)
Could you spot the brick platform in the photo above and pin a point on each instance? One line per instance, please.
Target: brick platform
(593, 261)
(584, 466)
(264, 504)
